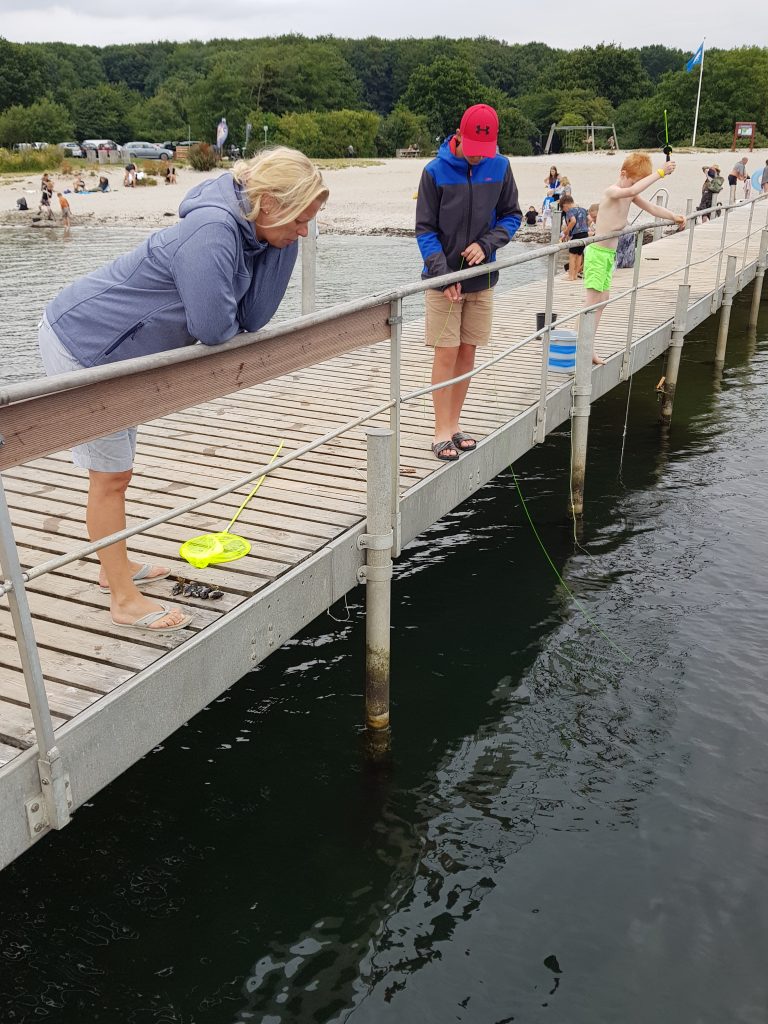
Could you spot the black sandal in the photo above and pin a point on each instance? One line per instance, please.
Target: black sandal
(459, 437)
(439, 449)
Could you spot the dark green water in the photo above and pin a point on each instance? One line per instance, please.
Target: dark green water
(594, 854)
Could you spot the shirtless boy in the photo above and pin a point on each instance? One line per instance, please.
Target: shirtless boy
(635, 177)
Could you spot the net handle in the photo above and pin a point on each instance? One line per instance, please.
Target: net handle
(259, 482)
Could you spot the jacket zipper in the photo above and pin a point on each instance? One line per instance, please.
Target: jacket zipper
(124, 337)
(469, 216)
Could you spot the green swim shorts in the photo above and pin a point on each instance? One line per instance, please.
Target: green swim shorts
(598, 267)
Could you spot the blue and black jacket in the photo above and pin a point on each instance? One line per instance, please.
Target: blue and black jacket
(459, 204)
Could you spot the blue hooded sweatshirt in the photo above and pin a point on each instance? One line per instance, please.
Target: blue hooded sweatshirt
(459, 203)
(205, 279)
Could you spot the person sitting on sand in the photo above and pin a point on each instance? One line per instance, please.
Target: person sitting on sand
(531, 216)
(103, 184)
(223, 269)
(635, 176)
(170, 175)
(79, 184)
(129, 178)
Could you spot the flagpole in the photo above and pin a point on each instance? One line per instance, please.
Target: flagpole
(698, 95)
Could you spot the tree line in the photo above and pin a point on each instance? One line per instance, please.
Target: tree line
(324, 94)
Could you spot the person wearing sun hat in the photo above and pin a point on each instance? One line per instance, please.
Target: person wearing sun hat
(467, 208)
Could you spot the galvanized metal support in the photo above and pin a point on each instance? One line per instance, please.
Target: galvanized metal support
(691, 225)
(395, 345)
(377, 576)
(49, 808)
(762, 259)
(582, 394)
(746, 242)
(729, 291)
(679, 326)
(540, 431)
(715, 303)
(625, 363)
(309, 268)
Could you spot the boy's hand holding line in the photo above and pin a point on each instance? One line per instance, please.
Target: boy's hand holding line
(473, 254)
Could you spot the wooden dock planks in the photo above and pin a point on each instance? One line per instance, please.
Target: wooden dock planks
(300, 508)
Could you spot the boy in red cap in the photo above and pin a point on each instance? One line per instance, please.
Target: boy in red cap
(467, 209)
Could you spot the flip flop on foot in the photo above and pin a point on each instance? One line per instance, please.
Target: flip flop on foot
(463, 441)
(441, 450)
(145, 623)
(144, 574)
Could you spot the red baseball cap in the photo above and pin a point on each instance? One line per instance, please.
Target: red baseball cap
(479, 130)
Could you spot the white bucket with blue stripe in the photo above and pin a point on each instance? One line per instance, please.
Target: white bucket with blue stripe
(562, 351)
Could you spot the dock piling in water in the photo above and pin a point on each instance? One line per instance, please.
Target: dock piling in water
(729, 290)
(377, 575)
(582, 396)
(757, 291)
(679, 325)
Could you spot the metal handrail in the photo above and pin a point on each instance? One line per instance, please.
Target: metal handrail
(27, 390)
(51, 770)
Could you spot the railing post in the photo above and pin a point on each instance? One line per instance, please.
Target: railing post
(720, 259)
(691, 226)
(309, 268)
(729, 290)
(540, 430)
(754, 309)
(51, 808)
(658, 226)
(679, 325)
(624, 375)
(377, 576)
(395, 345)
(582, 394)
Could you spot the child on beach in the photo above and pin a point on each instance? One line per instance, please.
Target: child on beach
(65, 209)
(636, 176)
(574, 228)
(592, 218)
(531, 216)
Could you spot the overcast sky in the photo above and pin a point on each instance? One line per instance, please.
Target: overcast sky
(579, 23)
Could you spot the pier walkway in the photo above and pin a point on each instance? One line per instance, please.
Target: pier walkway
(114, 695)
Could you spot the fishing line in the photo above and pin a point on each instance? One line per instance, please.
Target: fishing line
(554, 568)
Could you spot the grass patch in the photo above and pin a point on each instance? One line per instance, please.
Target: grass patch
(339, 163)
(30, 160)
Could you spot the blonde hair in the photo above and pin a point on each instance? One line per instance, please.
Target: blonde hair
(286, 175)
(637, 166)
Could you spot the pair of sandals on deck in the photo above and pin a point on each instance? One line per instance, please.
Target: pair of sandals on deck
(450, 451)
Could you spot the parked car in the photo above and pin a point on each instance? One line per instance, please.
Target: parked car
(72, 149)
(108, 144)
(146, 151)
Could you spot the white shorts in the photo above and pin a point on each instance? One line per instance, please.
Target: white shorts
(111, 454)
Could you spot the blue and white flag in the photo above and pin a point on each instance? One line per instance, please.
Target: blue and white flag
(695, 59)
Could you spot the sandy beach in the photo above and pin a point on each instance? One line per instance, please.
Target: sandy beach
(376, 199)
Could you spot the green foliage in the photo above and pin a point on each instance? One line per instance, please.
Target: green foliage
(441, 92)
(103, 112)
(30, 161)
(418, 87)
(40, 122)
(203, 157)
(401, 129)
(604, 70)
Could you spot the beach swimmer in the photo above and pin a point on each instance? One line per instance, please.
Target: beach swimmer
(222, 269)
(467, 208)
(636, 176)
